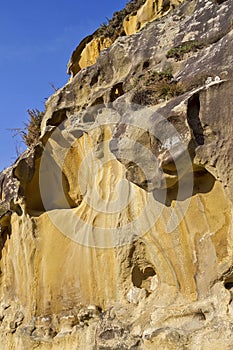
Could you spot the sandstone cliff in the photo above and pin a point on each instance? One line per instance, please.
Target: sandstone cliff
(116, 227)
(126, 22)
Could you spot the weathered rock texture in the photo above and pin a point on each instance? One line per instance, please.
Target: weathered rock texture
(117, 226)
(126, 22)
(149, 11)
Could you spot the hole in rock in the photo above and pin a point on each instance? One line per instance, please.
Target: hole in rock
(203, 182)
(166, 6)
(228, 282)
(146, 64)
(57, 118)
(139, 276)
(45, 179)
(228, 285)
(219, 2)
(194, 119)
(94, 79)
(116, 91)
(98, 101)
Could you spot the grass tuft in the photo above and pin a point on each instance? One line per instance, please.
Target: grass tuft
(154, 86)
(179, 51)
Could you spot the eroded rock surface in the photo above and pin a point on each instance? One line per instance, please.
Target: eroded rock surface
(116, 228)
(126, 22)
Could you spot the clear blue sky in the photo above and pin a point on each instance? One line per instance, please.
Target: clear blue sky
(36, 41)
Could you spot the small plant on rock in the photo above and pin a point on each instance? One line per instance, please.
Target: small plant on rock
(179, 51)
(114, 26)
(31, 136)
(154, 86)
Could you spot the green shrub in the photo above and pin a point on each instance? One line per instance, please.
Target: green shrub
(179, 51)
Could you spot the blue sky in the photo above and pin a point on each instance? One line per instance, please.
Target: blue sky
(36, 41)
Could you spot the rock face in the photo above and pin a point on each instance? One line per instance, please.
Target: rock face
(87, 53)
(149, 11)
(126, 22)
(116, 228)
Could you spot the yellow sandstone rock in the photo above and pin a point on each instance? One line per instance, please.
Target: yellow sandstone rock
(89, 49)
(105, 243)
(87, 53)
(151, 10)
(92, 50)
(51, 255)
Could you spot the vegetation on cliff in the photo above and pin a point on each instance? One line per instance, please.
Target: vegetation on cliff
(31, 132)
(114, 27)
(154, 86)
(178, 52)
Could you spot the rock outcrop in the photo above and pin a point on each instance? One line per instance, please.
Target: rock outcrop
(149, 11)
(87, 53)
(126, 22)
(116, 227)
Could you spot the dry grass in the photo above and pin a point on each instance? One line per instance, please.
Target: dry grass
(32, 135)
(114, 26)
(154, 86)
